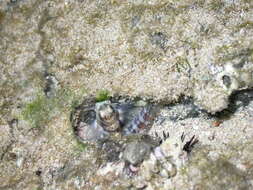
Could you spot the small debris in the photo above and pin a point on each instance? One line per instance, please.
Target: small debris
(216, 123)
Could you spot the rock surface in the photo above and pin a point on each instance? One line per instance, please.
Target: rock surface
(55, 53)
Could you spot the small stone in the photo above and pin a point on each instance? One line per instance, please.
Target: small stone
(216, 123)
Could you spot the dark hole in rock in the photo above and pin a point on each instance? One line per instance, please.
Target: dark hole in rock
(13, 1)
(226, 81)
(12, 156)
(13, 122)
(159, 39)
(38, 172)
(50, 84)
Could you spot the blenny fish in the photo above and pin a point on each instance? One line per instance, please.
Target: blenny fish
(94, 121)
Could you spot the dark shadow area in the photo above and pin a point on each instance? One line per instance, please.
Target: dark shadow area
(236, 101)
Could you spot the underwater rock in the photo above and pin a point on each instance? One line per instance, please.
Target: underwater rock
(216, 173)
(167, 158)
(213, 95)
(149, 161)
(235, 78)
(137, 150)
(152, 156)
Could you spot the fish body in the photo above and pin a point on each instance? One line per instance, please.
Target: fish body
(93, 121)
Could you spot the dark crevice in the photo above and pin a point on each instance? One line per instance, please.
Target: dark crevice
(186, 108)
(237, 100)
(189, 109)
(50, 85)
(159, 39)
(183, 109)
(49, 78)
(12, 123)
(5, 151)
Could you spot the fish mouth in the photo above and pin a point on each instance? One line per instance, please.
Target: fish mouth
(131, 170)
(134, 168)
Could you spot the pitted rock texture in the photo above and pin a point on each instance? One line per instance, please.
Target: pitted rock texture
(54, 53)
(154, 49)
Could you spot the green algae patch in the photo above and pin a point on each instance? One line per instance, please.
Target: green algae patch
(42, 109)
(102, 95)
(80, 147)
(37, 111)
